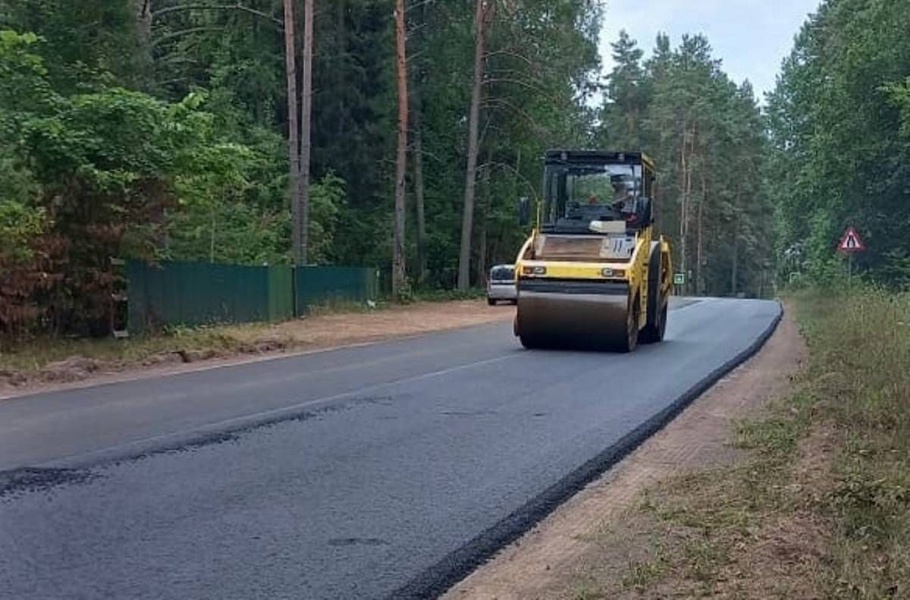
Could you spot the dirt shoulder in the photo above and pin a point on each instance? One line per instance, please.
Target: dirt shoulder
(61, 364)
(612, 540)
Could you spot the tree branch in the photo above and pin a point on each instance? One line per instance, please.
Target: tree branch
(183, 7)
(530, 86)
(537, 127)
(509, 52)
(183, 32)
(507, 167)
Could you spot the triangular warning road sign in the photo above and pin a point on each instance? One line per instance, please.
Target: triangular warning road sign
(851, 242)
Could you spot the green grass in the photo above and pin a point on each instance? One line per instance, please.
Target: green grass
(450, 295)
(857, 385)
(331, 307)
(861, 355)
(643, 573)
(587, 590)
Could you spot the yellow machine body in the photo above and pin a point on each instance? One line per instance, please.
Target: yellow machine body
(601, 282)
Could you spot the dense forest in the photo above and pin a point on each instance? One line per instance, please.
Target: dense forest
(158, 129)
(839, 124)
(706, 134)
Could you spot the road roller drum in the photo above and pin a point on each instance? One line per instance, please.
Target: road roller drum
(576, 316)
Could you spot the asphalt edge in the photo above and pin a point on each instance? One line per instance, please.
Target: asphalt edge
(457, 565)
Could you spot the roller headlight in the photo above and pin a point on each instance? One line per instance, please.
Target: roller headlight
(534, 270)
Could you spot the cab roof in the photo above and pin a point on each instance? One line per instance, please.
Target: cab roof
(560, 155)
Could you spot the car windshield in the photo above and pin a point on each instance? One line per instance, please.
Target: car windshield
(502, 274)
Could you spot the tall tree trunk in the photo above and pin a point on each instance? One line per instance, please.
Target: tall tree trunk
(144, 79)
(734, 235)
(684, 208)
(144, 74)
(700, 244)
(419, 194)
(303, 217)
(290, 52)
(464, 257)
(516, 193)
(687, 222)
(481, 265)
(398, 255)
(419, 69)
(482, 214)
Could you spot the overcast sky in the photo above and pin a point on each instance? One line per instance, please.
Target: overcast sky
(751, 37)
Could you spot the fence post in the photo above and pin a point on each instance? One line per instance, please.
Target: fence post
(294, 291)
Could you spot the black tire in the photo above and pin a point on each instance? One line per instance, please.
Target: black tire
(654, 332)
(531, 342)
(662, 326)
(632, 334)
(491, 302)
(657, 304)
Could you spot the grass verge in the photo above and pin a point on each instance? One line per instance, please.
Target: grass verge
(177, 344)
(47, 360)
(818, 504)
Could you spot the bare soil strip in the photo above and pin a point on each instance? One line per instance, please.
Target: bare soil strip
(120, 360)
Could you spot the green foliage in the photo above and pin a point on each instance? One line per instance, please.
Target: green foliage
(222, 226)
(161, 133)
(405, 294)
(900, 96)
(839, 120)
(541, 67)
(22, 72)
(860, 346)
(327, 197)
(19, 225)
(103, 167)
(706, 135)
(449, 295)
(90, 42)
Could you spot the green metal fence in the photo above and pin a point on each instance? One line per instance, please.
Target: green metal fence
(281, 293)
(320, 285)
(185, 293)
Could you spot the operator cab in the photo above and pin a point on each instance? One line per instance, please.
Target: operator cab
(585, 186)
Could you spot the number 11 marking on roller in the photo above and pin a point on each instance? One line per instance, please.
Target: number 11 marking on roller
(621, 246)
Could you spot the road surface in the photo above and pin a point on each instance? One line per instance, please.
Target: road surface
(371, 472)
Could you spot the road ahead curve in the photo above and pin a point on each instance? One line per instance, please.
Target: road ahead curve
(373, 472)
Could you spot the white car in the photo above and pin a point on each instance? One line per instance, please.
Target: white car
(501, 285)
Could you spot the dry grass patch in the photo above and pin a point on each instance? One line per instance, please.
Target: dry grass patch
(65, 360)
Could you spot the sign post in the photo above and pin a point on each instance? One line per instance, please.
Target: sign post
(679, 279)
(850, 244)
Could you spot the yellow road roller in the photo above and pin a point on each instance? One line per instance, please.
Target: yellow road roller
(592, 273)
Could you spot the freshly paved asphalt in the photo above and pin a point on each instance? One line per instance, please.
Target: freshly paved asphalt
(372, 472)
